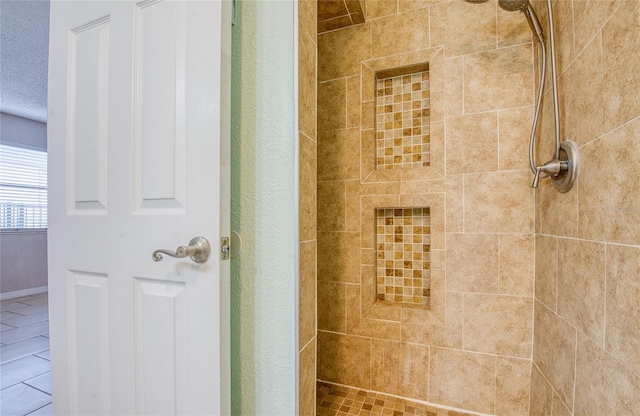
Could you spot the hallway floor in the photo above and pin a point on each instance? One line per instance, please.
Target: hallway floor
(25, 382)
(336, 400)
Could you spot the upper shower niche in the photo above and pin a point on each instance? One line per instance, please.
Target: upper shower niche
(402, 118)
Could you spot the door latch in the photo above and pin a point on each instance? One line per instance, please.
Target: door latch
(224, 248)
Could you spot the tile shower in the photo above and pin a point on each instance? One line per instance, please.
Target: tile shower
(475, 347)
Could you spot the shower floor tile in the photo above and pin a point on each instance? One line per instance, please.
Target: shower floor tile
(336, 400)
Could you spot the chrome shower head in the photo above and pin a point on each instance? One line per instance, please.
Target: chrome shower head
(512, 5)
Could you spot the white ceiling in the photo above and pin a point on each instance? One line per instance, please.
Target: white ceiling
(24, 46)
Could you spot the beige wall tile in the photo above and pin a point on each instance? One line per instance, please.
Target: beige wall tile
(513, 379)
(307, 301)
(515, 130)
(480, 27)
(581, 285)
(516, 264)
(589, 16)
(344, 359)
(406, 5)
(332, 301)
(339, 257)
(455, 203)
(423, 327)
(339, 155)
(401, 369)
(582, 112)
(498, 79)
(453, 93)
(352, 205)
(353, 101)
(334, 24)
(472, 143)
(367, 155)
(452, 372)
(472, 262)
(401, 33)
(308, 188)
(558, 408)
(331, 206)
(367, 111)
(563, 24)
(332, 105)
(620, 42)
(498, 324)
(307, 100)
(308, 17)
(554, 347)
(498, 202)
(558, 211)
(380, 8)
(603, 386)
(372, 328)
(541, 394)
(340, 52)
(512, 29)
(622, 339)
(611, 211)
(307, 387)
(547, 270)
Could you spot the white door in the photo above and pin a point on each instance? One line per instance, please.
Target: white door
(138, 131)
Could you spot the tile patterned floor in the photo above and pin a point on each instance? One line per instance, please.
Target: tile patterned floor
(335, 400)
(25, 381)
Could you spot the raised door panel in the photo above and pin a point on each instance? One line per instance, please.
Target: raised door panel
(160, 107)
(87, 118)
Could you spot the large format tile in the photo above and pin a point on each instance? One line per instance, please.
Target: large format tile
(622, 335)
(16, 371)
(344, 359)
(30, 319)
(581, 285)
(596, 375)
(498, 324)
(46, 354)
(472, 262)
(22, 349)
(21, 399)
(43, 411)
(463, 379)
(11, 304)
(41, 382)
(6, 316)
(25, 332)
(554, 350)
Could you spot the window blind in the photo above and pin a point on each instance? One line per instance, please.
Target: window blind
(23, 188)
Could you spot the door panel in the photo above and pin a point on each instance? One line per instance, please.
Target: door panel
(139, 160)
(160, 136)
(88, 109)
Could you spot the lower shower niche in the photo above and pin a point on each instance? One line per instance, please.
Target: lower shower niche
(403, 257)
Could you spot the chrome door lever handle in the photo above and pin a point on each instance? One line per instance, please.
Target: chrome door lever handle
(198, 249)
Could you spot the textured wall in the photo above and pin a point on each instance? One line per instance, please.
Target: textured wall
(473, 348)
(587, 300)
(264, 200)
(23, 257)
(307, 110)
(23, 261)
(24, 40)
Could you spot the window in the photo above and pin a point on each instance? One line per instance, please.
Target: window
(23, 188)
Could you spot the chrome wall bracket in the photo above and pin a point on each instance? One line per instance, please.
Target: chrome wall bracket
(565, 180)
(564, 170)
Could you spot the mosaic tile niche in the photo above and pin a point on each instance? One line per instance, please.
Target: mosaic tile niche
(402, 118)
(403, 242)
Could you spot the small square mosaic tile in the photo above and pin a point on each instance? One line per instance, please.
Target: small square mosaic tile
(403, 243)
(402, 121)
(332, 400)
